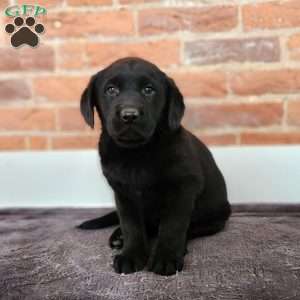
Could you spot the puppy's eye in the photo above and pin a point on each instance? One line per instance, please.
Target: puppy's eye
(148, 91)
(112, 91)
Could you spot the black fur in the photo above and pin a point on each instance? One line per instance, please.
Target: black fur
(166, 182)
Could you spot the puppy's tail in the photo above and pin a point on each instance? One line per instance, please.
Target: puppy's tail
(105, 221)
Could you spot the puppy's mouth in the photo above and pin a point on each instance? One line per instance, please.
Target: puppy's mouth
(130, 143)
(130, 139)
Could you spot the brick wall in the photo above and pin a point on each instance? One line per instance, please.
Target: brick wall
(237, 63)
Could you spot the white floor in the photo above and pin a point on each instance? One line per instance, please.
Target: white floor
(74, 178)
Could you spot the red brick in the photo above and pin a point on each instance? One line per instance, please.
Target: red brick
(270, 138)
(14, 89)
(294, 41)
(81, 24)
(27, 59)
(233, 114)
(294, 46)
(195, 19)
(295, 55)
(201, 84)
(271, 15)
(264, 82)
(293, 112)
(4, 3)
(89, 2)
(75, 142)
(12, 143)
(38, 142)
(26, 119)
(59, 88)
(70, 119)
(49, 3)
(71, 55)
(2, 32)
(137, 1)
(163, 52)
(232, 50)
(217, 139)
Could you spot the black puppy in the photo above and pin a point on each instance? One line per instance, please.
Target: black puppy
(166, 182)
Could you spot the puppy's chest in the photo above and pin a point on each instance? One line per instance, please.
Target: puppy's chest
(135, 177)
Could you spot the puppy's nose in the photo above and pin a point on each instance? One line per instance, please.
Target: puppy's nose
(129, 115)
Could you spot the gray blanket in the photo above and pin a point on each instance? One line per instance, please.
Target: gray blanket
(43, 256)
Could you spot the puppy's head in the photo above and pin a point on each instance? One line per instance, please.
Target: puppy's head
(134, 99)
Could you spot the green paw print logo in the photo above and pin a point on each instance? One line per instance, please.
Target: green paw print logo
(24, 29)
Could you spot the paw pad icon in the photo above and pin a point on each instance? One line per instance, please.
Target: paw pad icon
(24, 32)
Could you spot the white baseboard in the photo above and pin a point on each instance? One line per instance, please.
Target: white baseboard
(74, 178)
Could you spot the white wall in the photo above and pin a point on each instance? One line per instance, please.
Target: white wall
(73, 178)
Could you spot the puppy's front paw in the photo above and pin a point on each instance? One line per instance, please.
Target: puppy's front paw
(164, 264)
(128, 264)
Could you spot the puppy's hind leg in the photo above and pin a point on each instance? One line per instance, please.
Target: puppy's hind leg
(116, 239)
(209, 219)
(201, 229)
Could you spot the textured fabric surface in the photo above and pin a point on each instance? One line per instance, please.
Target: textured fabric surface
(43, 256)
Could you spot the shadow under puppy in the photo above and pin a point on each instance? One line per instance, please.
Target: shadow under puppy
(166, 182)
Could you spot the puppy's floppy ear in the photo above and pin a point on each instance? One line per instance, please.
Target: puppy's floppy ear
(175, 104)
(87, 103)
